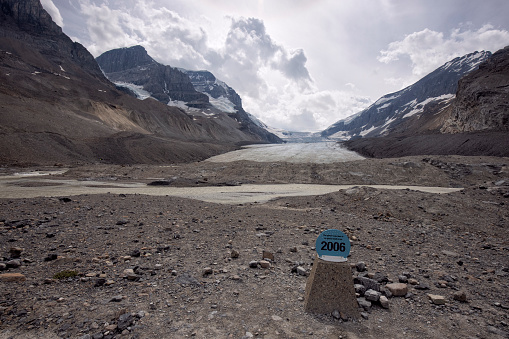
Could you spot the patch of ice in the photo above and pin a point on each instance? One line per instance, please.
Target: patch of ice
(136, 89)
(420, 106)
(222, 103)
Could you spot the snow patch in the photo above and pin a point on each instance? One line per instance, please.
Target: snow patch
(136, 89)
(222, 103)
(419, 107)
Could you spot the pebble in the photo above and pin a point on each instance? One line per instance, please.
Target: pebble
(397, 289)
(234, 254)
(3, 266)
(336, 314)
(436, 299)
(253, 264)
(207, 271)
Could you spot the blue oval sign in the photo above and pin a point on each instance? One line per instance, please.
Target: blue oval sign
(333, 245)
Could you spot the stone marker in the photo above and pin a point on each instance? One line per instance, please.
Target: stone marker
(329, 288)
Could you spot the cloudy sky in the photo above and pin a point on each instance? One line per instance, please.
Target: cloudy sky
(299, 65)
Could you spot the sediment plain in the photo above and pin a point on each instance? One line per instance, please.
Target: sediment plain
(121, 265)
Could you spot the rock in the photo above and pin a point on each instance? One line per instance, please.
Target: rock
(207, 271)
(122, 222)
(361, 289)
(397, 289)
(412, 281)
(336, 314)
(12, 277)
(3, 266)
(301, 271)
(264, 264)
(403, 279)
(380, 277)
(234, 254)
(437, 299)
(384, 302)
(372, 295)
(253, 264)
(365, 315)
(421, 287)
(268, 255)
(124, 321)
(365, 304)
(14, 263)
(16, 252)
(130, 275)
(135, 253)
(117, 298)
(360, 266)
(51, 256)
(460, 296)
(368, 283)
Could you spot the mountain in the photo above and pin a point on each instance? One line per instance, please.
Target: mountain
(58, 107)
(473, 122)
(392, 110)
(198, 93)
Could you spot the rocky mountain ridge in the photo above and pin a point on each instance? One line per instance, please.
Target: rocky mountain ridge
(58, 107)
(198, 93)
(395, 109)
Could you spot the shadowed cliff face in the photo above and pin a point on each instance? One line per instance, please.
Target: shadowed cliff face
(133, 65)
(482, 100)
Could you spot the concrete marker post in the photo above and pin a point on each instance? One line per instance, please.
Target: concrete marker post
(330, 284)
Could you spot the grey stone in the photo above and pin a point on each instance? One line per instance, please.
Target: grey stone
(384, 301)
(365, 304)
(253, 264)
(117, 298)
(14, 263)
(372, 295)
(301, 271)
(368, 283)
(336, 314)
(124, 321)
(403, 279)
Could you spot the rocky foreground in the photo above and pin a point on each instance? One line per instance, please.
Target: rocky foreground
(134, 266)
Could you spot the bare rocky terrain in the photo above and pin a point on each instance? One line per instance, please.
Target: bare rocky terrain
(138, 266)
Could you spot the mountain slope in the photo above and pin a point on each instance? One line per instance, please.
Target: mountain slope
(213, 104)
(392, 110)
(475, 122)
(57, 106)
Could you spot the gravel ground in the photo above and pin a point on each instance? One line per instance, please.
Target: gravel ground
(139, 266)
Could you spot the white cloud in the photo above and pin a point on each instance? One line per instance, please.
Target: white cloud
(50, 7)
(428, 49)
